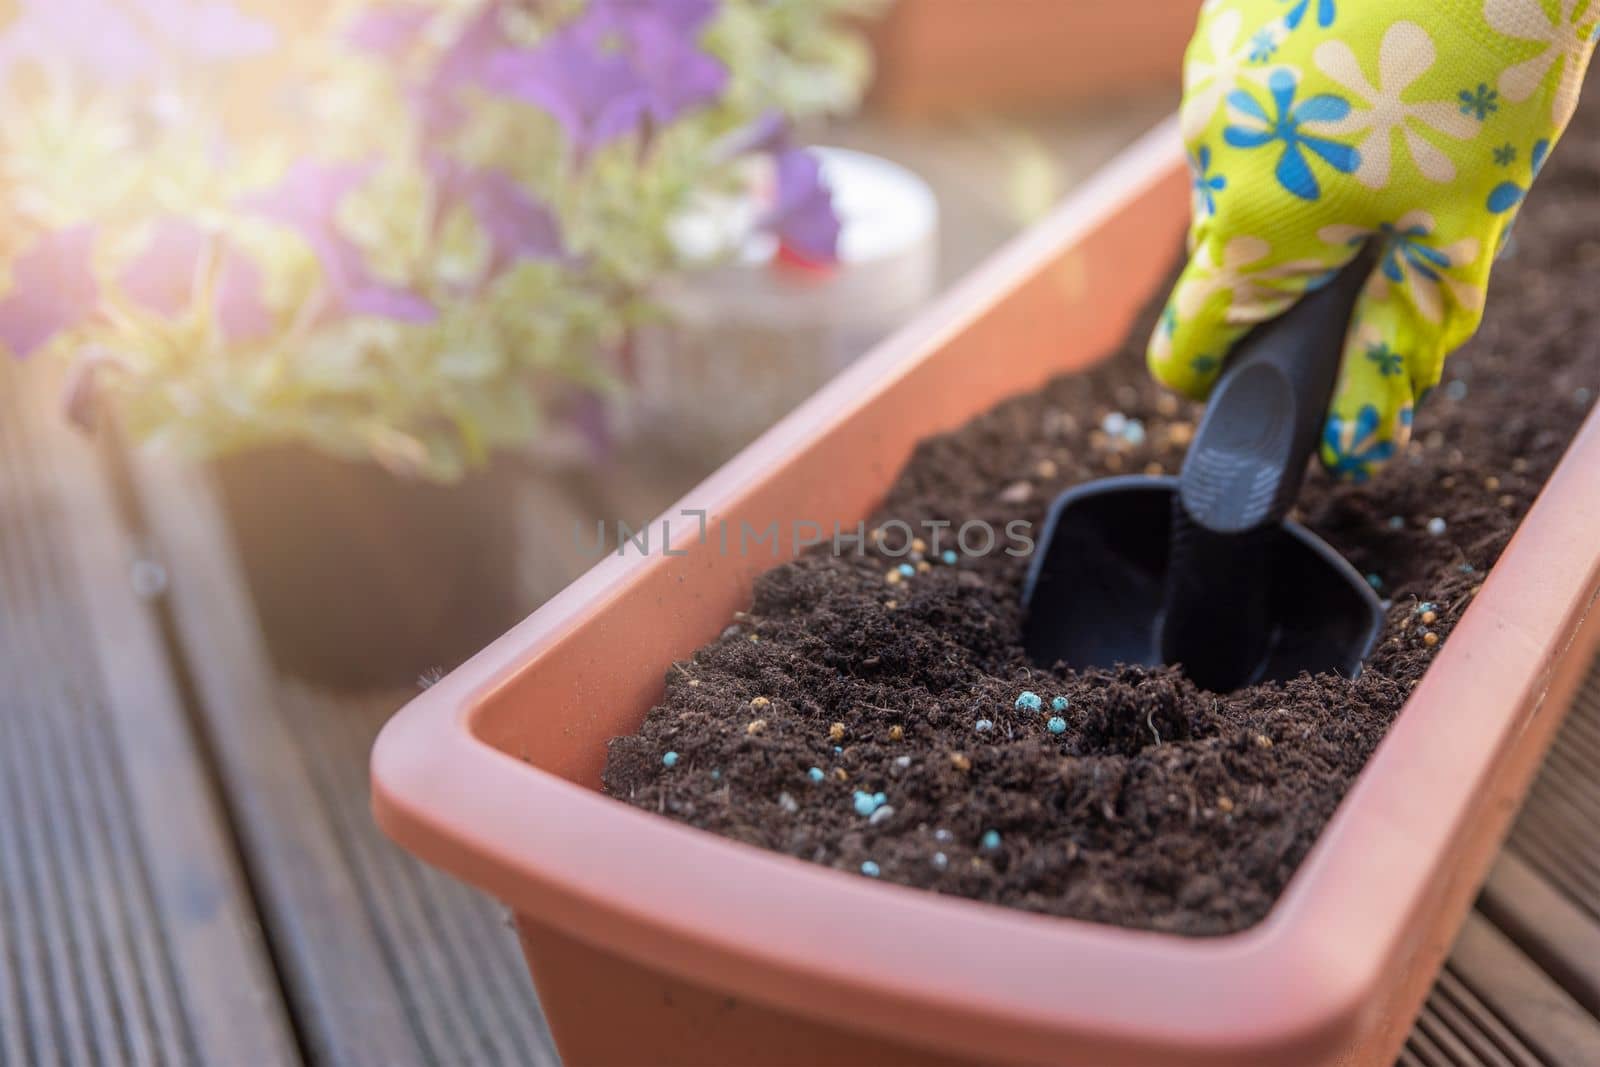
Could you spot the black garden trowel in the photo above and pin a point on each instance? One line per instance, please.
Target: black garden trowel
(1202, 570)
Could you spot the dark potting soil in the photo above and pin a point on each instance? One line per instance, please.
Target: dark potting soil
(1160, 806)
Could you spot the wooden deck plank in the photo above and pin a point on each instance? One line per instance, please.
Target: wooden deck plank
(1533, 947)
(387, 961)
(126, 928)
(440, 934)
(348, 1007)
(1523, 982)
(1530, 1003)
(1545, 891)
(1558, 833)
(1488, 1038)
(1554, 932)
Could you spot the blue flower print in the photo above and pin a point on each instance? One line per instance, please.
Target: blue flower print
(1541, 153)
(1350, 447)
(1507, 195)
(1505, 155)
(1407, 247)
(1206, 184)
(1294, 171)
(1389, 361)
(1264, 45)
(1327, 11)
(1204, 364)
(1480, 102)
(1410, 245)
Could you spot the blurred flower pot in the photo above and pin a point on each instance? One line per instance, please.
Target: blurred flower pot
(717, 952)
(954, 57)
(745, 341)
(431, 224)
(363, 578)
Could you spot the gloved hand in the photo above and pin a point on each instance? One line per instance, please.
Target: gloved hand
(1315, 125)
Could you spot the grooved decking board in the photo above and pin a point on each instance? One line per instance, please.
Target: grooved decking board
(1530, 955)
(453, 952)
(387, 961)
(1558, 833)
(1457, 1029)
(126, 932)
(1530, 1004)
(1547, 925)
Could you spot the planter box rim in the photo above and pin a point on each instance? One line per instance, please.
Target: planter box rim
(959, 975)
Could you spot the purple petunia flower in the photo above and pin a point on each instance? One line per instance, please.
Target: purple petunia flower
(162, 279)
(519, 226)
(601, 76)
(804, 216)
(392, 30)
(52, 289)
(767, 135)
(660, 38)
(307, 199)
(464, 61)
(677, 76)
(594, 95)
(620, 63)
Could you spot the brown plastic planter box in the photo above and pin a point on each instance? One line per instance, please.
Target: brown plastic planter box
(652, 942)
(941, 57)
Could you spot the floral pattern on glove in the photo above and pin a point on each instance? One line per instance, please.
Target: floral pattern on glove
(1316, 126)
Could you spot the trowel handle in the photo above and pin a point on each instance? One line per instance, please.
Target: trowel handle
(1267, 410)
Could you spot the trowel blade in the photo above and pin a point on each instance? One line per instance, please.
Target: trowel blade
(1093, 597)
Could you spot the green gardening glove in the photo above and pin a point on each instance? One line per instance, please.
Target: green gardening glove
(1316, 125)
